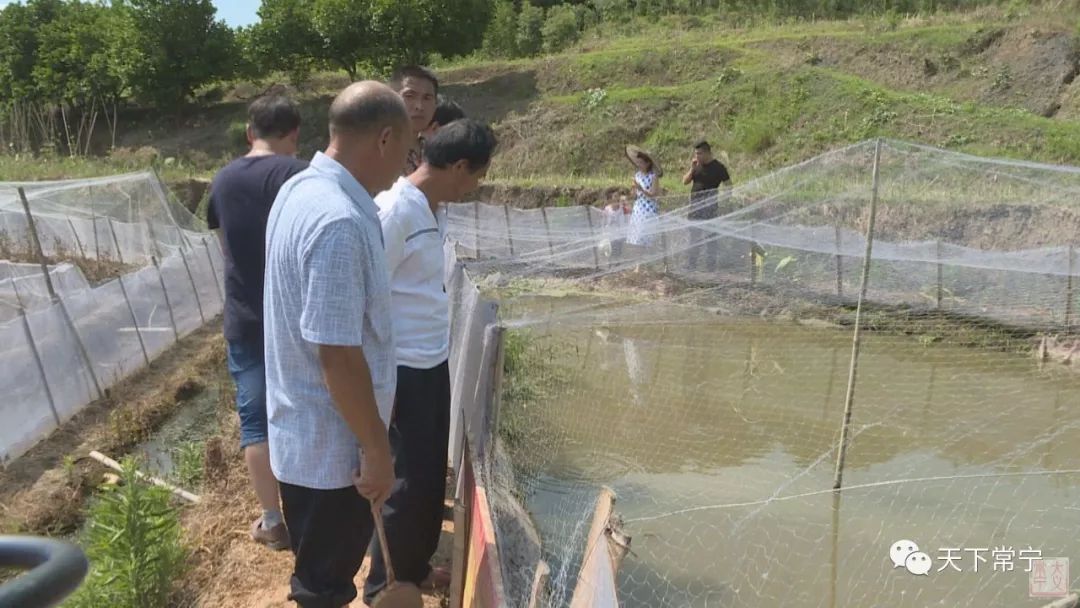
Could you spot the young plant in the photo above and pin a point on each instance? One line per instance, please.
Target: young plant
(133, 541)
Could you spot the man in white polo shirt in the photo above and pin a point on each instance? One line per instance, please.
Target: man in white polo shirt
(455, 160)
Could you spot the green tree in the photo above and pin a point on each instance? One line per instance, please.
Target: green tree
(560, 28)
(530, 38)
(285, 39)
(181, 47)
(500, 39)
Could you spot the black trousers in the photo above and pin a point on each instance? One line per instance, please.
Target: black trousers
(419, 438)
(330, 532)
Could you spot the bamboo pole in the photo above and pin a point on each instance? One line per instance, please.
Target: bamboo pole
(509, 231)
(213, 270)
(940, 286)
(592, 236)
(839, 265)
(547, 230)
(116, 242)
(112, 464)
(34, 240)
(40, 365)
(1070, 296)
(78, 241)
(194, 287)
(849, 400)
(52, 292)
(168, 303)
(134, 319)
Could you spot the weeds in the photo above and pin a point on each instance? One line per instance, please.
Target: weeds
(594, 98)
(188, 464)
(133, 542)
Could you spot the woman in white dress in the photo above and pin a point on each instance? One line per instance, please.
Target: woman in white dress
(646, 189)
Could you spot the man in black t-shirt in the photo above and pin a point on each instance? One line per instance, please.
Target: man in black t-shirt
(708, 176)
(240, 199)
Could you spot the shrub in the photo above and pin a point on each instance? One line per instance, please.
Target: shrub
(530, 37)
(560, 28)
(236, 135)
(500, 39)
(132, 540)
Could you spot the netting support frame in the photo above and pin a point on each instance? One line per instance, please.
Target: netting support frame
(116, 241)
(856, 342)
(36, 241)
(592, 237)
(191, 277)
(40, 365)
(134, 320)
(1070, 295)
(509, 230)
(168, 302)
(78, 241)
(213, 270)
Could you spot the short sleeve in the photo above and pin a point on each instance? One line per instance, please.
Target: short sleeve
(333, 286)
(722, 173)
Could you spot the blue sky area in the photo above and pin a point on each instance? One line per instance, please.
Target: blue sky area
(234, 12)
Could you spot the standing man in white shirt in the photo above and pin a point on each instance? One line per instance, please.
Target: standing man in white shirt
(330, 363)
(455, 160)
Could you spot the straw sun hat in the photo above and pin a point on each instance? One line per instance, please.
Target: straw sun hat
(633, 152)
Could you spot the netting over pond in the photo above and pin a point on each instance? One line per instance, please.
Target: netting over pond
(129, 272)
(703, 378)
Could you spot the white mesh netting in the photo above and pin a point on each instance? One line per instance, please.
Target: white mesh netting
(703, 378)
(132, 271)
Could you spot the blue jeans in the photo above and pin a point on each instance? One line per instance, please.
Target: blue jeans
(249, 372)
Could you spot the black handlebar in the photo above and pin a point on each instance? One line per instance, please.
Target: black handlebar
(55, 570)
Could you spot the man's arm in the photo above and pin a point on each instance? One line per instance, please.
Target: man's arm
(348, 379)
(689, 177)
(332, 319)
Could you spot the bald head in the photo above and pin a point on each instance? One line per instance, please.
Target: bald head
(366, 108)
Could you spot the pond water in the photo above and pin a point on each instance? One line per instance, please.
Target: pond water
(718, 435)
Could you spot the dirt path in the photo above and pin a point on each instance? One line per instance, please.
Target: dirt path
(228, 569)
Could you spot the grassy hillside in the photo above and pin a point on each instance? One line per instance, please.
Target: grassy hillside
(996, 82)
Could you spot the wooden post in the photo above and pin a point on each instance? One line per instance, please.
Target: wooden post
(856, 342)
(194, 287)
(476, 223)
(539, 587)
(940, 286)
(134, 319)
(839, 265)
(547, 230)
(116, 242)
(462, 527)
(37, 244)
(509, 231)
(40, 366)
(1069, 294)
(78, 241)
(213, 270)
(592, 235)
(596, 580)
(168, 304)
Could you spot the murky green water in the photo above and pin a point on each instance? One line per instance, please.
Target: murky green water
(718, 437)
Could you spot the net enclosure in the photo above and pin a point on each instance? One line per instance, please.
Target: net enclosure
(909, 307)
(97, 278)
